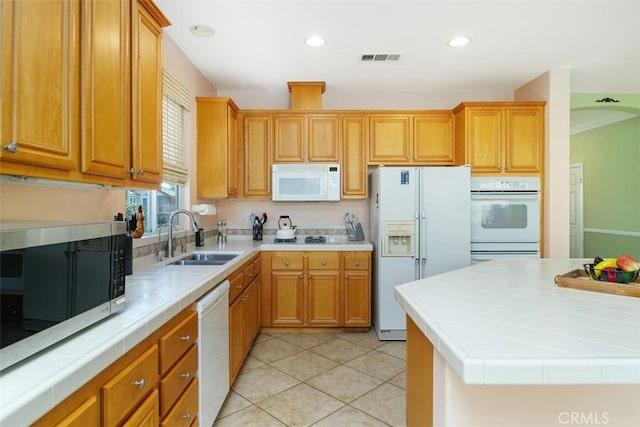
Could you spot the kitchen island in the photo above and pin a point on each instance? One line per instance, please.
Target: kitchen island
(498, 344)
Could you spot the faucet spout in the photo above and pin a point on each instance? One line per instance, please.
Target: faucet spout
(194, 227)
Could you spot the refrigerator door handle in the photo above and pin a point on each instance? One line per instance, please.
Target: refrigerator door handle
(423, 245)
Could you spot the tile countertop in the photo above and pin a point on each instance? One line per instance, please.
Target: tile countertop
(155, 293)
(506, 322)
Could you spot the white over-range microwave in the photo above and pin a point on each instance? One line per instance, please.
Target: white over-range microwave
(305, 182)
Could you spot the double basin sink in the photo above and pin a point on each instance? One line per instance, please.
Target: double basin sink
(206, 258)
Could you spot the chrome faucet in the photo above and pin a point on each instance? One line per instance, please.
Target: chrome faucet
(159, 255)
(194, 226)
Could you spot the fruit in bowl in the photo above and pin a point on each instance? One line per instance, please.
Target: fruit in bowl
(627, 263)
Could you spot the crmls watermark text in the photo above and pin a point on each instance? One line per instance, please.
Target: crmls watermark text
(583, 418)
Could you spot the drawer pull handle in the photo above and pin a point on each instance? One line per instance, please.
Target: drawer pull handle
(186, 376)
(357, 263)
(187, 416)
(140, 383)
(286, 263)
(186, 338)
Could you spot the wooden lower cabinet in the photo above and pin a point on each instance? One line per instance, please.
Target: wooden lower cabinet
(316, 289)
(87, 414)
(147, 414)
(135, 390)
(244, 313)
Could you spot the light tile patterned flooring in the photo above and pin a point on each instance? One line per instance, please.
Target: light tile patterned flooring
(323, 380)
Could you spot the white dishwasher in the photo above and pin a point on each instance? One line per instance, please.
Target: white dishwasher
(213, 352)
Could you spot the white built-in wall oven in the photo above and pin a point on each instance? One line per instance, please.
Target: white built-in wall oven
(505, 218)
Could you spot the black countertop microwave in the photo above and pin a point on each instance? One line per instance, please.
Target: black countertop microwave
(55, 280)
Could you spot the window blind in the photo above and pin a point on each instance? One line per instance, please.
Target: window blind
(176, 103)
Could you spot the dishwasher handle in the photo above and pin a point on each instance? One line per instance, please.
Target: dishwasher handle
(212, 298)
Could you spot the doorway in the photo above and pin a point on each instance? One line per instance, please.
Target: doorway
(576, 225)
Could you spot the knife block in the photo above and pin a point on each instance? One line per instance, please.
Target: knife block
(355, 234)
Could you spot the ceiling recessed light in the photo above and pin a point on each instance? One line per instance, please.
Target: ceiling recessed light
(459, 41)
(202, 30)
(315, 41)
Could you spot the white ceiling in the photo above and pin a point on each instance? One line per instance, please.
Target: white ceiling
(258, 44)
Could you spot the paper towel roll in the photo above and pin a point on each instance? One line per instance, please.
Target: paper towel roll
(203, 209)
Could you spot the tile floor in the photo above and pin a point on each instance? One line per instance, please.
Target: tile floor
(323, 380)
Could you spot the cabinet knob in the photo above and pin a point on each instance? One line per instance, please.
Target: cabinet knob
(346, 276)
(140, 383)
(286, 263)
(186, 338)
(300, 276)
(508, 168)
(238, 286)
(132, 171)
(187, 416)
(12, 147)
(357, 263)
(310, 276)
(186, 376)
(500, 168)
(245, 298)
(324, 263)
(250, 274)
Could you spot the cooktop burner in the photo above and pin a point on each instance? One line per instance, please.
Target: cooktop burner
(315, 239)
(292, 240)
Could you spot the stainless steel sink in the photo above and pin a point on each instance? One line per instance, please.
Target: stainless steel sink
(206, 258)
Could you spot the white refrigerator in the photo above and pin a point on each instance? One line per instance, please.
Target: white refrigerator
(420, 226)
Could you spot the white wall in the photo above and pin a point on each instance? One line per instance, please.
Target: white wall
(555, 88)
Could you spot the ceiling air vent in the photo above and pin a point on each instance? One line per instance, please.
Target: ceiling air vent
(380, 57)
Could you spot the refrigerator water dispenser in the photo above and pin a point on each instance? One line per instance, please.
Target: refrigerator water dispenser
(398, 238)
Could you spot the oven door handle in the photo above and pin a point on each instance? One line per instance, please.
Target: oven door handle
(505, 196)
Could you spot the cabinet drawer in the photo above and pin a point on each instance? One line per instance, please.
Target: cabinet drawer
(127, 389)
(174, 383)
(356, 262)
(250, 272)
(286, 261)
(186, 409)
(324, 261)
(236, 283)
(177, 341)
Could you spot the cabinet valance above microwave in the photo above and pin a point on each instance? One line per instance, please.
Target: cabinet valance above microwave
(308, 182)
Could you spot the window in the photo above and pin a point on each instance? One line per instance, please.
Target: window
(158, 204)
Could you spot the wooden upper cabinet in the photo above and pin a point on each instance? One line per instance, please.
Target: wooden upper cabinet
(433, 138)
(288, 138)
(306, 138)
(524, 136)
(217, 148)
(257, 144)
(354, 157)
(500, 138)
(323, 138)
(40, 87)
(106, 132)
(389, 139)
(147, 92)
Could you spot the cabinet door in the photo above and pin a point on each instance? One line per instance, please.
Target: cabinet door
(257, 156)
(87, 414)
(354, 157)
(233, 165)
(323, 139)
(485, 140)
(146, 415)
(288, 139)
(40, 86)
(147, 97)
(524, 136)
(248, 302)
(106, 139)
(323, 298)
(433, 139)
(236, 353)
(357, 298)
(389, 140)
(257, 305)
(129, 387)
(185, 410)
(287, 298)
